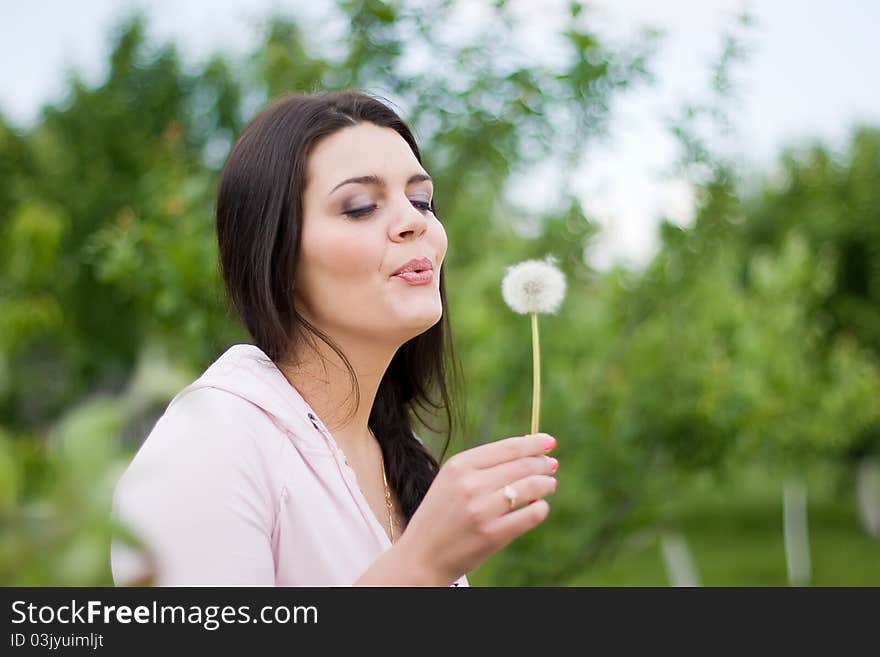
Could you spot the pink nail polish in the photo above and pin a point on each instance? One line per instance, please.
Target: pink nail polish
(554, 464)
(549, 443)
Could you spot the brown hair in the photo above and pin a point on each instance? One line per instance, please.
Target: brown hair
(259, 218)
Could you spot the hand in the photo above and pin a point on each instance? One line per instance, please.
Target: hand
(465, 516)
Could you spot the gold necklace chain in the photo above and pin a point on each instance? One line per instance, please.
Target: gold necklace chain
(388, 502)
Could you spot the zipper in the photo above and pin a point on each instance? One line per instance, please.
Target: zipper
(350, 479)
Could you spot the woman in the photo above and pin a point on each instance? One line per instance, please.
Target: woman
(292, 461)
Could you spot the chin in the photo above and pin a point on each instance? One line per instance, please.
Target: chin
(412, 326)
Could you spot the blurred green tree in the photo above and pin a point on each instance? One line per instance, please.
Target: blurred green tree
(107, 254)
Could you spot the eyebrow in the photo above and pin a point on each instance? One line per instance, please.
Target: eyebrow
(379, 182)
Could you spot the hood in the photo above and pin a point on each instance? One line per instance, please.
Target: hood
(247, 372)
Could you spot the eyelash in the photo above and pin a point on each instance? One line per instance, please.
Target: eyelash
(363, 212)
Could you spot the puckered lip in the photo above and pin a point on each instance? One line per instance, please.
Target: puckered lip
(420, 264)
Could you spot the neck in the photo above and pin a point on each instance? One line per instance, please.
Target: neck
(322, 378)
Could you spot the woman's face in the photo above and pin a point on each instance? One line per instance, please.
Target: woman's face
(365, 214)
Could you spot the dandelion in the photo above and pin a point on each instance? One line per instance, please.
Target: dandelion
(532, 287)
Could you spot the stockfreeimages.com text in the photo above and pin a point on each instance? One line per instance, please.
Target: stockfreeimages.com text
(210, 617)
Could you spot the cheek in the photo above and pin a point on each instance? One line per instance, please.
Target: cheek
(440, 242)
(338, 257)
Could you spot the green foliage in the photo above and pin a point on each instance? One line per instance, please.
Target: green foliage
(833, 200)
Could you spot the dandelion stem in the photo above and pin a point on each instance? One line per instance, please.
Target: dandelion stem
(536, 374)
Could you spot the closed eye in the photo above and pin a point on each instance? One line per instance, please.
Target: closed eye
(360, 212)
(422, 206)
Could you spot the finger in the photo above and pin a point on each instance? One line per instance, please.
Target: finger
(506, 449)
(524, 492)
(497, 476)
(515, 523)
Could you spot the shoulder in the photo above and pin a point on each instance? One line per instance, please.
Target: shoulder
(201, 492)
(209, 404)
(210, 417)
(208, 439)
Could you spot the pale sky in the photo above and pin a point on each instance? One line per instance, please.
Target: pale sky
(808, 77)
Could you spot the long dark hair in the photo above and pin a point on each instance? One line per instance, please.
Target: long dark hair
(259, 222)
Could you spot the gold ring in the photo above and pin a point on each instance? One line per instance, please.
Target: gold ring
(510, 494)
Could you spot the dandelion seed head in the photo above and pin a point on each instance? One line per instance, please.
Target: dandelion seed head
(534, 286)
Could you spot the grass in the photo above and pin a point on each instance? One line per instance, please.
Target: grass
(735, 534)
(745, 548)
(736, 538)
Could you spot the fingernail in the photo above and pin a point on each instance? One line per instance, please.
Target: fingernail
(549, 443)
(553, 464)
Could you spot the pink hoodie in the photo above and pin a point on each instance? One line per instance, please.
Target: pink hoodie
(240, 484)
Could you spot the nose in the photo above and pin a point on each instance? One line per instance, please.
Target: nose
(408, 222)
